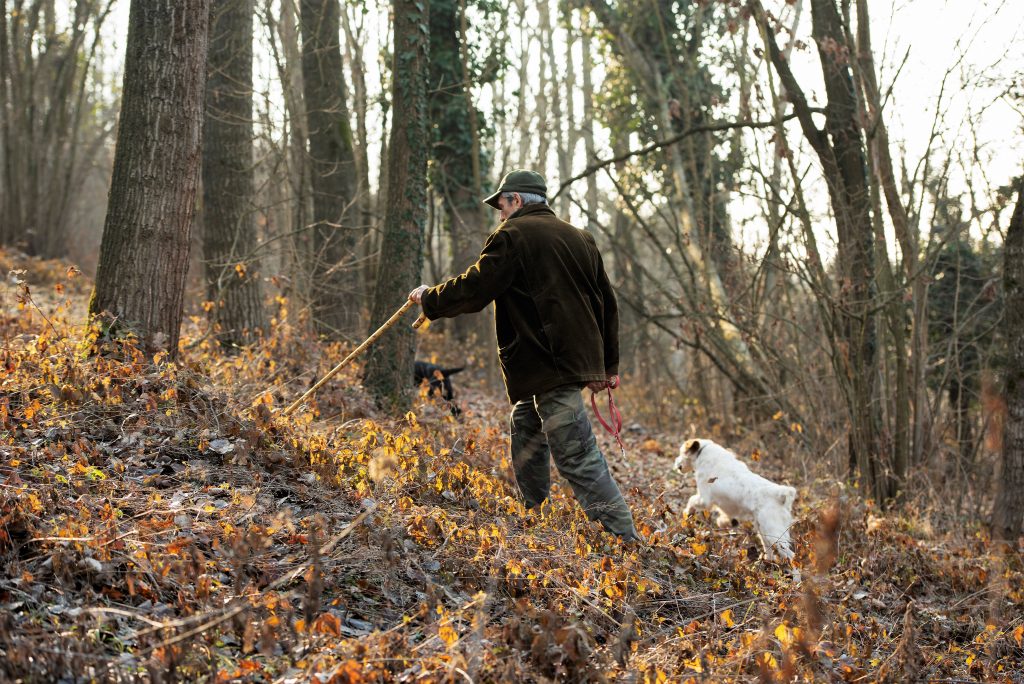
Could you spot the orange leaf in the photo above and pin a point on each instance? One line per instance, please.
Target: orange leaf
(448, 635)
(1018, 634)
(328, 623)
(351, 672)
(651, 445)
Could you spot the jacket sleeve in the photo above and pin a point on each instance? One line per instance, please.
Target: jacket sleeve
(482, 282)
(610, 331)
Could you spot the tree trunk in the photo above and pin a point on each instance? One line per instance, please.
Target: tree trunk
(9, 208)
(550, 27)
(911, 390)
(846, 175)
(337, 291)
(570, 17)
(455, 175)
(524, 117)
(590, 148)
(628, 281)
(538, 130)
(1008, 509)
(389, 369)
(289, 70)
(771, 299)
(841, 152)
(46, 119)
(354, 49)
(140, 281)
(229, 230)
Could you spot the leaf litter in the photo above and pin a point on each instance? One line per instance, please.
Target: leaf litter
(161, 522)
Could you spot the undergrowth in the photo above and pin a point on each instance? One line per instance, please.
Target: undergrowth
(164, 522)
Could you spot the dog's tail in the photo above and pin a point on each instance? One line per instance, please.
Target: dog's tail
(786, 495)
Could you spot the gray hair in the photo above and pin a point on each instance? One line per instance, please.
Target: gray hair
(527, 197)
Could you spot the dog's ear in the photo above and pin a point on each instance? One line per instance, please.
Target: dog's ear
(692, 446)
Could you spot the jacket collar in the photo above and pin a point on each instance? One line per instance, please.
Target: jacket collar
(532, 209)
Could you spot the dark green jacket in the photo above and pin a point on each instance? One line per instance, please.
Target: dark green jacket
(554, 309)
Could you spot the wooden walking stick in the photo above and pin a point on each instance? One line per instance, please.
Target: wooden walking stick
(356, 352)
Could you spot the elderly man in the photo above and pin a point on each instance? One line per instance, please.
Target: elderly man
(557, 327)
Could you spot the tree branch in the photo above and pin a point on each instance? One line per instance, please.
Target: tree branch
(794, 92)
(658, 144)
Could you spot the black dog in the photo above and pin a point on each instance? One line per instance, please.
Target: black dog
(438, 378)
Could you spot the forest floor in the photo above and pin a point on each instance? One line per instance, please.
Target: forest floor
(163, 522)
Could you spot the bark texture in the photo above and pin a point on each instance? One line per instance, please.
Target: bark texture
(337, 292)
(1008, 510)
(229, 235)
(455, 155)
(389, 369)
(140, 280)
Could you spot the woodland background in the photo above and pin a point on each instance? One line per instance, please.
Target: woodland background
(205, 204)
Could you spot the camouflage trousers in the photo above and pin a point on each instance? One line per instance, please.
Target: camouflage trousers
(555, 425)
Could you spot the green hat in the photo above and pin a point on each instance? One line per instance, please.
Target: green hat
(519, 180)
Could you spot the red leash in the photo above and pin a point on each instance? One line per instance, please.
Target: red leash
(615, 428)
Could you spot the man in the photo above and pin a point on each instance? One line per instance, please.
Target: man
(557, 327)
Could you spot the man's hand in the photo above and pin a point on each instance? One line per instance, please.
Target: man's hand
(417, 294)
(598, 385)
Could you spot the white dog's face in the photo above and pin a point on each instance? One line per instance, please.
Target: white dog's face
(684, 462)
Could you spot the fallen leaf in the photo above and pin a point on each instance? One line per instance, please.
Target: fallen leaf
(221, 446)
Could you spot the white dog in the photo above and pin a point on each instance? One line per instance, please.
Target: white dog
(726, 484)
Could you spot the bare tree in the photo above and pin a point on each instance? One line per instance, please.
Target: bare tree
(553, 82)
(50, 126)
(355, 38)
(851, 315)
(140, 281)
(1008, 509)
(389, 368)
(336, 287)
(229, 222)
(587, 66)
(455, 174)
(284, 44)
